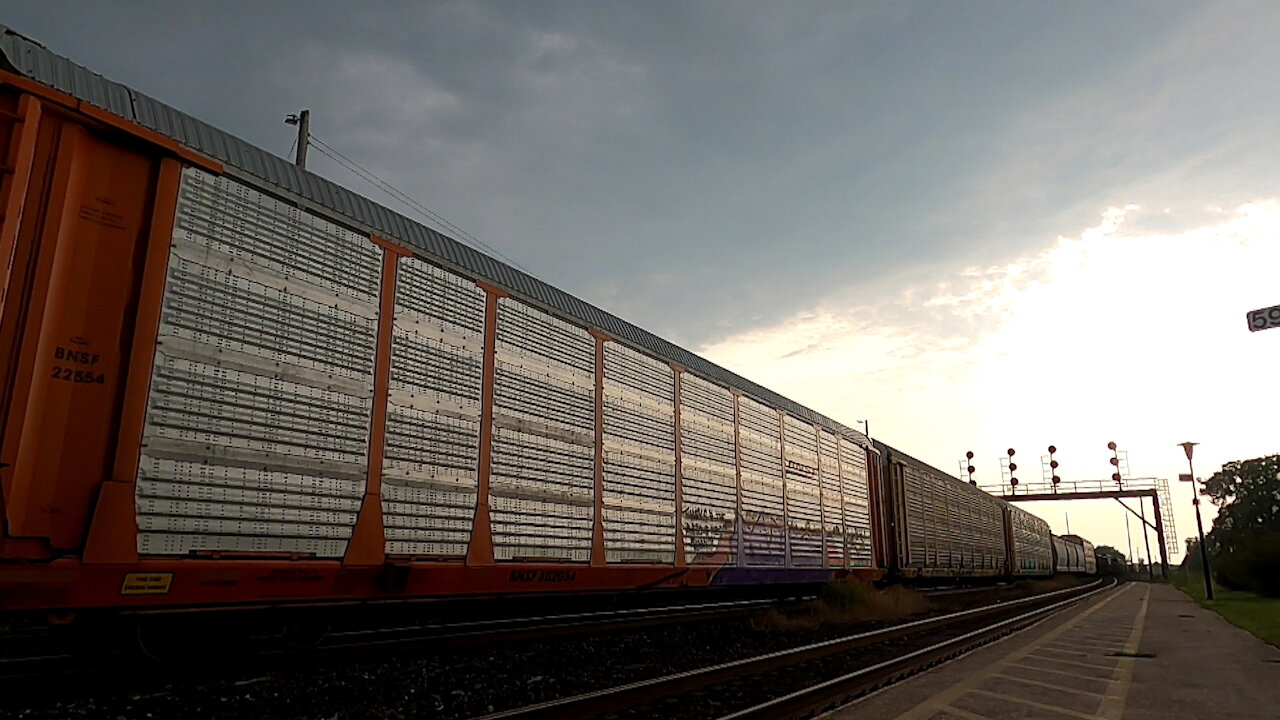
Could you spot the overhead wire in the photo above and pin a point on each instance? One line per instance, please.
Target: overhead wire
(430, 215)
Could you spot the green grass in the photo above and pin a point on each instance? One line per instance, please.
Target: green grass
(1259, 615)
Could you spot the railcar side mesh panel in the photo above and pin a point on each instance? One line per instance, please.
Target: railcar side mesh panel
(709, 472)
(1032, 550)
(542, 488)
(433, 412)
(952, 527)
(256, 436)
(856, 493)
(760, 447)
(832, 505)
(804, 500)
(639, 457)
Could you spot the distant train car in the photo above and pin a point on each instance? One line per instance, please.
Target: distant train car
(939, 526)
(1029, 542)
(1069, 555)
(1090, 556)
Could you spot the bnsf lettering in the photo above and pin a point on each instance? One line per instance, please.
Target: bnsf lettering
(76, 356)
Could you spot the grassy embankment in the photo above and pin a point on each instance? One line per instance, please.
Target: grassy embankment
(1259, 615)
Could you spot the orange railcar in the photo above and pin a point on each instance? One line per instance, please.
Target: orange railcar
(228, 382)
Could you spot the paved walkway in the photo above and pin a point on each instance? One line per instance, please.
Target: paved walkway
(1141, 652)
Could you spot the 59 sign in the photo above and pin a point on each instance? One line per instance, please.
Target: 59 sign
(1264, 319)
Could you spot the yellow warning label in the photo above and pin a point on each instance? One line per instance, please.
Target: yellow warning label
(146, 583)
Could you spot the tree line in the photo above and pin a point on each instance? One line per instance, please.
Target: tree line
(1244, 544)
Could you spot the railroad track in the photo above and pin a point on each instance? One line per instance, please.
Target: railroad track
(48, 660)
(448, 634)
(805, 680)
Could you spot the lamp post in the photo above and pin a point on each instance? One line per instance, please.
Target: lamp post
(1189, 448)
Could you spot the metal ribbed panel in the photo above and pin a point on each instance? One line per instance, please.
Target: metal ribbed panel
(709, 471)
(433, 412)
(804, 501)
(952, 526)
(1033, 553)
(639, 457)
(855, 488)
(257, 425)
(760, 447)
(542, 489)
(832, 509)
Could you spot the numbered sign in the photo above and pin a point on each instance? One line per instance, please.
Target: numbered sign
(1264, 319)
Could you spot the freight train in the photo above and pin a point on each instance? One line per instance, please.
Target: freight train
(231, 383)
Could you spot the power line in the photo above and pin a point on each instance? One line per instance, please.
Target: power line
(372, 178)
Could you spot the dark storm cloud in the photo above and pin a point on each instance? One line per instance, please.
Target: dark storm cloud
(702, 168)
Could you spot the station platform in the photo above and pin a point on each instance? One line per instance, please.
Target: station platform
(1139, 652)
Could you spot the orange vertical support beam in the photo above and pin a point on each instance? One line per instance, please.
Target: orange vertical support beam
(844, 521)
(822, 510)
(368, 537)
(13, 186)
(480, 549)
(113, 531)
(680, 559)
(737, 474)
(597, 524)
(786, 520)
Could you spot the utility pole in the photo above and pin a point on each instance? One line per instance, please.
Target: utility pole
(303, 121)
(1188, 448)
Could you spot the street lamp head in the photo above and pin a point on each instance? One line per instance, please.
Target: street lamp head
(1188, 448)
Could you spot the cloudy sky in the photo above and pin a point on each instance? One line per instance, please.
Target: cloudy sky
(977, 225)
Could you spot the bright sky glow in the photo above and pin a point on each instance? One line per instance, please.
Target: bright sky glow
(1111, 333)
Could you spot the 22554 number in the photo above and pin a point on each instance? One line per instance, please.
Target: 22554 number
(67, 374)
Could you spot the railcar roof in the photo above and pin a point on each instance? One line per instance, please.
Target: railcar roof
(883, 447)
(28, 58)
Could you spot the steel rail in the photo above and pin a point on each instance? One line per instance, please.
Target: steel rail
(833, 693)
(638, 693)
(503, 628)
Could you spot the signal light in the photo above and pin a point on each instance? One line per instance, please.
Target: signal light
(1115, 463)
(1056, 479)
(1013, 482)
(1010, 452)
(970, 468)
(1053, 464)
(1052, 449)
(1013, 467)
(969, 456)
